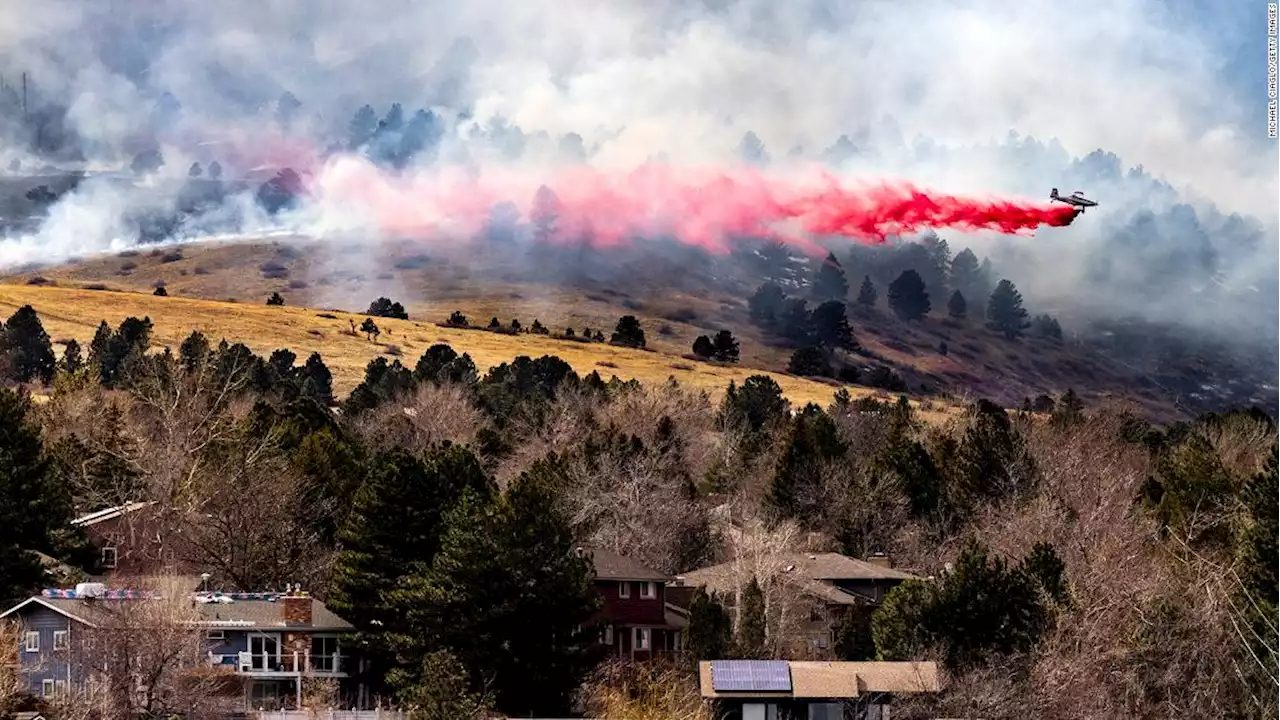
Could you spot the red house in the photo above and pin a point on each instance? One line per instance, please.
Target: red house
(636, 622)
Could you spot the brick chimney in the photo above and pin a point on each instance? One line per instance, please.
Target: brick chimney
(295, 608)
(880, 560)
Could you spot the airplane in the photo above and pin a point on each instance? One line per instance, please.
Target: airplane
(1075, 199)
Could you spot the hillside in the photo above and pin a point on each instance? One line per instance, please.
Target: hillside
(75, 313)
(676, 296)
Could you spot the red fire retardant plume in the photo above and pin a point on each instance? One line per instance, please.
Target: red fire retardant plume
(698, 207)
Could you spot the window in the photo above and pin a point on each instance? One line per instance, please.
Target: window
(624, 589)
(108, 557)
(759, 711)
(33, 642)
(648, 590)
(821, 642)
(46, 688)
(217, 636)
(815, 614)
(826, 711)
(60, 687)
(608, 635)
(324, 653)
(60, 639)
(641, 639)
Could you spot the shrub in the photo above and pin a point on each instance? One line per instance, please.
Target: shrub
(171, 257)
(273, 270)
(128, 267)
(200, 270)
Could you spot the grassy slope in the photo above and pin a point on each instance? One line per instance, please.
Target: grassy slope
(75, 313)
(978, 362)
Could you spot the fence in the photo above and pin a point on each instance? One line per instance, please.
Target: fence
(329, 715)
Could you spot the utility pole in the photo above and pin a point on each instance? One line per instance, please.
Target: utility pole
(24, 94)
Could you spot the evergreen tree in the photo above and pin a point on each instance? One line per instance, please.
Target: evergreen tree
(1068, 411)
(494, 324)
(766, 305)
(992, 460)
(215, 171)
(1005, 312)
(757, 405)
(457, 319)
(867, 293)
(907, 296)
(441, 691)
(751, 622)
(796, 322)
(972, 279)
(1260, 542)
(383, 307)
(628, 332)
(854, 641)
(394, 524)
(27, 347)
(725, 347)
(813, 442)
(195, 170)
(275, 299)
(501, 563)
(708, 636)
(546, 211)
(361, 128)
(160, 291)
(703, 348)
(831, 327)
(317, 381)
(1046, 326)
(830, 282)
(956, 306)
(370, 328)
(71, 360)
(809, 362)
(33, 509)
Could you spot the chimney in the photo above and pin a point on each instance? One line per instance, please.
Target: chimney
(295, 608)
(880, 560)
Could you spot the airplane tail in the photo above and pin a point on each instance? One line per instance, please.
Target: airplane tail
(1053, 194)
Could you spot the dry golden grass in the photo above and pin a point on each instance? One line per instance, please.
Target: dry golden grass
(75, 313)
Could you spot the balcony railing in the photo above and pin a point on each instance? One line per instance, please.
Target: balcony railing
(286, 664)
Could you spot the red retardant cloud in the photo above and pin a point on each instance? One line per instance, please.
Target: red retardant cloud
(698, 207)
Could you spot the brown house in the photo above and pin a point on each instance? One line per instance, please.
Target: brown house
(636, 622)
(130, 540)
(826, 585)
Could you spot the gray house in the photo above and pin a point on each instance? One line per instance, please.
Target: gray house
(272, 642)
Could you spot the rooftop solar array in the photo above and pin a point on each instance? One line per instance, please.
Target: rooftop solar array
(750, 676)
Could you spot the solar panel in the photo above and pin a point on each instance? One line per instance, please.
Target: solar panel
(750, 676)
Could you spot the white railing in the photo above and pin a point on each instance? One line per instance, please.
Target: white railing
(285, 665)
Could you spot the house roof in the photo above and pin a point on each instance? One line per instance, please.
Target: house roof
(612, 566)
(110, 513)
(239, 614)
(834, 566)
(833, 680)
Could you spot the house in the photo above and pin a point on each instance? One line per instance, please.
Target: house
(826, 585)
(636, 621)
(130, 540)
(270, 642)
(792, 690)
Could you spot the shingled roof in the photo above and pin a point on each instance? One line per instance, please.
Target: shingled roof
(612, 566)
(249, 614)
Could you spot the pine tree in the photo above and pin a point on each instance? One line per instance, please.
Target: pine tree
(32, 507)
(725, 347)
(813, 441)
(370, 328)
(703, 348)
(71, 360)
(501, 563)
(867, 293)
(160, 291)
(830, 282)
(275, 299)
(1261, 537)
(751, 622)
(27, 347)
(1068, 411)
(215, 171)
(395, 523)
(628, 332)
(317, 380)
(854, 641)
(907, 296)
(956, 306)
(1005, 312)
(809, 362)
(831, 327)
(708, 636)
